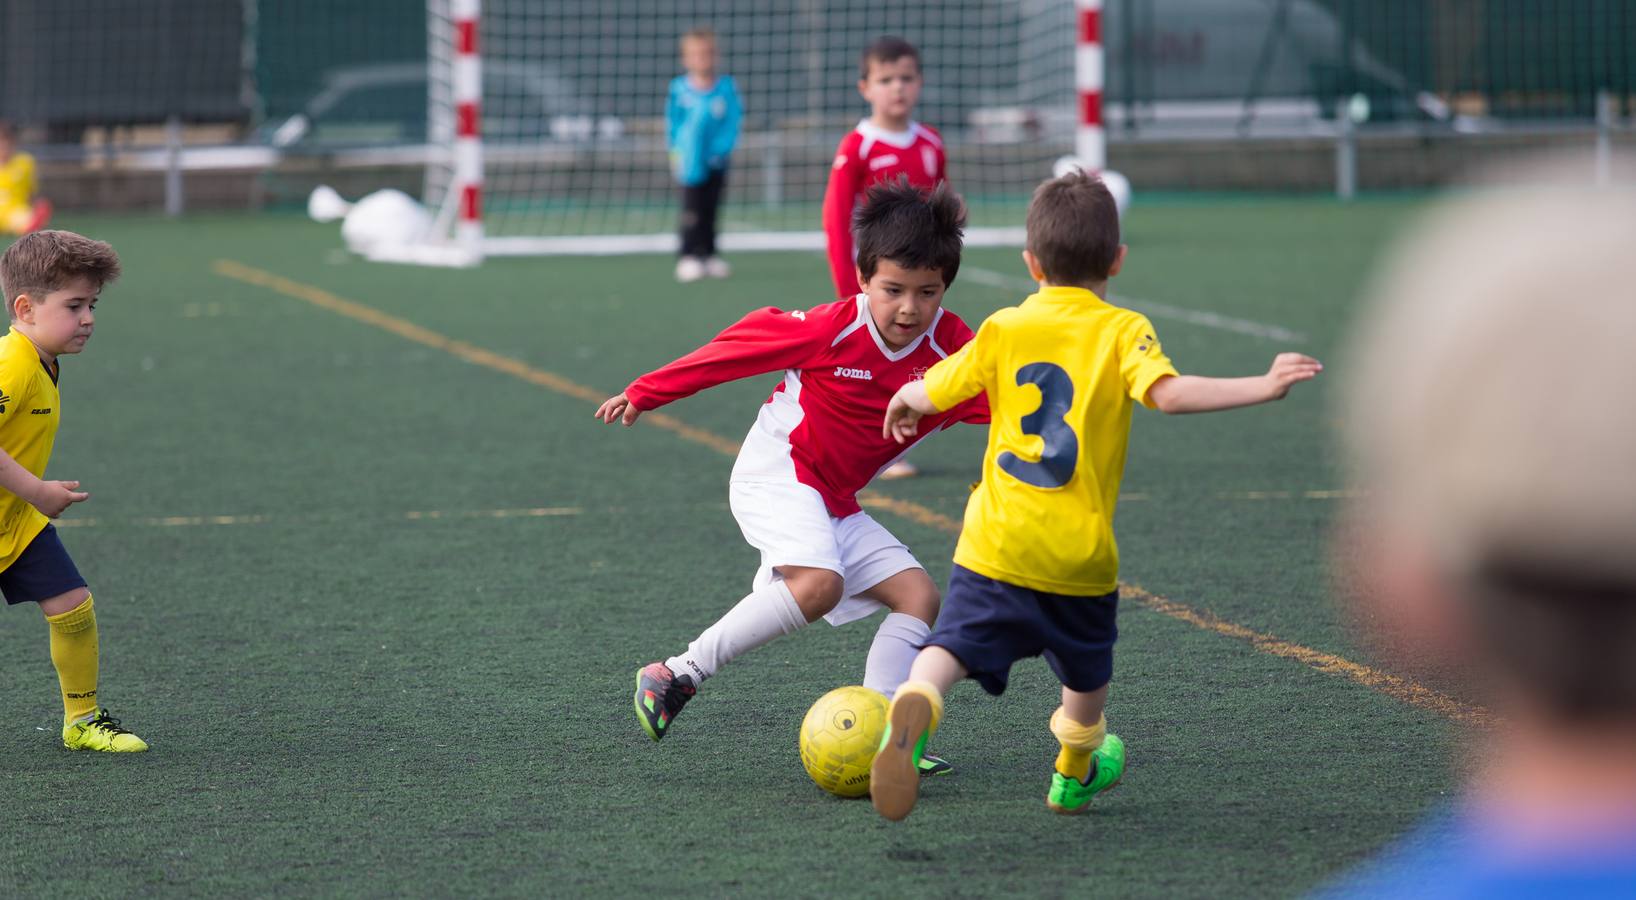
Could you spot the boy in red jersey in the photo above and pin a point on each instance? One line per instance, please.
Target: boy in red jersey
(817, 441)
(887, 146)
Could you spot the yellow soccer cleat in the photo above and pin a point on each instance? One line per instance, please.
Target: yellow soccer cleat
(101, 732)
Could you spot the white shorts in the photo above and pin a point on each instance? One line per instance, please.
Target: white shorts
(789, 524)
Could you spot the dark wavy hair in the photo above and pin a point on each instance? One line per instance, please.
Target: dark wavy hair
(912, 227)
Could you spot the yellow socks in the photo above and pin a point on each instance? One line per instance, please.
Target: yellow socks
(929, 691)
(74, 653)
(1078, 743)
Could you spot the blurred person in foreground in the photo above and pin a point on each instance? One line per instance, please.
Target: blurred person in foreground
(1492, 427)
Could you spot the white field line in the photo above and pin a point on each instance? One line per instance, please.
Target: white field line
(1149, 308)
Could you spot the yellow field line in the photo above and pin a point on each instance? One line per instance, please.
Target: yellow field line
(1392, 685)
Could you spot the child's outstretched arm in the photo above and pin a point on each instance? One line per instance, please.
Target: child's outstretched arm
(1175, 394)
(49, 497)
(765, 340)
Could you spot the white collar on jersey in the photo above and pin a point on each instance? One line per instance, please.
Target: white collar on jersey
(902, 140)
(865, 320)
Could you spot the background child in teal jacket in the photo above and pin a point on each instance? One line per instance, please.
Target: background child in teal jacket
(702, 115)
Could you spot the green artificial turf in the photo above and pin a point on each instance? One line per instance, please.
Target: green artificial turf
(361, 680)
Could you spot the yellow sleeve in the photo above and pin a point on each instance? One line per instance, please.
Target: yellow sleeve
(965, 373)
(1141, 360)
(16, 386)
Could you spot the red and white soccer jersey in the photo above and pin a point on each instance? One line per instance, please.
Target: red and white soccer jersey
(822, 425)
(868, 155)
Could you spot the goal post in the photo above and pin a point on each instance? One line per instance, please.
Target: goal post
(545, 123)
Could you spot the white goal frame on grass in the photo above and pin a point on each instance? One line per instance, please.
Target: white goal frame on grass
(455, 182)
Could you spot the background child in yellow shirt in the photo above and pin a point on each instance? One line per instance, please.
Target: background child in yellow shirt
(20, 211)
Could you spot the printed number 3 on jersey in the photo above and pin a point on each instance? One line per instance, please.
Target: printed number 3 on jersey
(1050, 423)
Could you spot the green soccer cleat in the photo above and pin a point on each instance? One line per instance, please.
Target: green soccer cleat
(1070, 796)
(930, 765)
(660, 695)
(894, 776)
(101, 732)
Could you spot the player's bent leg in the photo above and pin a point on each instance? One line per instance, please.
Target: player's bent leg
(912, 598)
(662, 688)
(894, 775)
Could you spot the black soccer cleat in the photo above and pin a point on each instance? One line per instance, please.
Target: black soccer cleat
(660, 695)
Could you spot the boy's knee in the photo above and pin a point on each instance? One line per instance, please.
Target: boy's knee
(816, 591)
(911, 592)
(56, 606)
(923, 603)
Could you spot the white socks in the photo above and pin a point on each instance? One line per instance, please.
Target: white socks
(763, 615)
(897, 642)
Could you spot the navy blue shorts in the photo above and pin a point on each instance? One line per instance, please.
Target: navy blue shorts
(41, 572)
(989, 624)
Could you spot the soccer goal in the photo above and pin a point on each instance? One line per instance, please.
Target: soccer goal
(546, 120)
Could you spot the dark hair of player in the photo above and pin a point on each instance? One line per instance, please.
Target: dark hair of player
(888, 49)
(913, 228)
(1073, 229)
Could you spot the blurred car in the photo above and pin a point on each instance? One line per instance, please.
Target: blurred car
(386, 103)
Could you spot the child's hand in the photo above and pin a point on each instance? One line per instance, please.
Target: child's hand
(53, 497)
(902, 420)
(618, 407)
(1289, 369)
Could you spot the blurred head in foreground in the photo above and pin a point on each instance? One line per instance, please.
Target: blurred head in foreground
(1491, 423)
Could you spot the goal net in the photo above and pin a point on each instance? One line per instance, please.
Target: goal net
(567, 135)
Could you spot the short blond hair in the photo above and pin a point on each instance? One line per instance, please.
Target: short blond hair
(1489, 421)
(46, 261)
(699, 33)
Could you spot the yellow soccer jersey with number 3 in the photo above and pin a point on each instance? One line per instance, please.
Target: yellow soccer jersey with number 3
(1063, 371)
(28, 428)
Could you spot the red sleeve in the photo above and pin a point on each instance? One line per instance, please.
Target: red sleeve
(845, 180)
(766, 340)
(975, 411)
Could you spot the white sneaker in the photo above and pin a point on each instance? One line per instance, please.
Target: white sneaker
(716, 267)
(900, 469)
(689, 268)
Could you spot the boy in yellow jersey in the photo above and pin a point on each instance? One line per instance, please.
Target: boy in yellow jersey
(51, 281)
(1036, 570)
(20, 211)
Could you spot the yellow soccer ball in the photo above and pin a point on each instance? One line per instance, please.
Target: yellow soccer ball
(839, 738)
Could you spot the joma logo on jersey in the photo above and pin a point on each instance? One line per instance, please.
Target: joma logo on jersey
(3, 401)
(859, 374)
